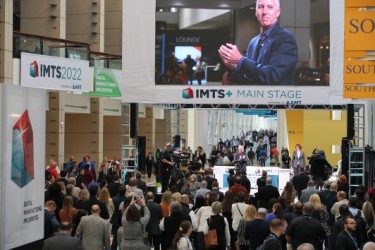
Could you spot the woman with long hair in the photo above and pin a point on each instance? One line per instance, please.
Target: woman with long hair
(166, 201)
(368, 213)
(67, 212)
(181, 240)
(106, 197)
(249, 215)
(289, 192)
(227, 213)
(134, 224)
(123, 205)
(82, 196)
(320, 212)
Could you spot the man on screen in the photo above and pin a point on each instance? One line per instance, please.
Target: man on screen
(271, 56)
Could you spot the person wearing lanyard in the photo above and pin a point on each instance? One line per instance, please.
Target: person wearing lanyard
(272, 242)
(346, 240)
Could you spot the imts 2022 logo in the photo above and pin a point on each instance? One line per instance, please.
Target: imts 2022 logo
(34, 69)
(188, 93)
(55, 71)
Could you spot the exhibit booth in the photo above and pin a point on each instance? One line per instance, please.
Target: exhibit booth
(279, 176)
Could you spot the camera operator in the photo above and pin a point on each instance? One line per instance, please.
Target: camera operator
(318, 164)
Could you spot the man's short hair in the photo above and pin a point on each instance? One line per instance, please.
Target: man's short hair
(203, 184)
(238, 180)
(121, 190)
(344, 210)
(341, 194)
(369, 246)
(311, 183)
(262, 210)
(215, 184)
(175, 207)
(305, 246)
(50, 203)
(65, 226)
(150, 196)
(308, 208)
(276, 223)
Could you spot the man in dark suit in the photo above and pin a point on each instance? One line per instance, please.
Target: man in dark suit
(156, 214)
(266, 193)
(208, 177)
(116, 216)
(87, 204)
(62, 240)
(300, 181)
(271, 56)
(346, 239)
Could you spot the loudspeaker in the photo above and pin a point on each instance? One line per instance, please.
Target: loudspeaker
(350, 122)
(133, 120)
(141, 144)
(177, 139)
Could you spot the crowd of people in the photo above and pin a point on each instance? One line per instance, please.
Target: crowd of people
(100, 212)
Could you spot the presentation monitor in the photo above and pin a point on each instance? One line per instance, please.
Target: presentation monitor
(181, 52)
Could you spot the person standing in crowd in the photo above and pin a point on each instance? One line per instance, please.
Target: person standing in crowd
(230, 178)
(238, 210)
(241, 158)
(272, 242)
(261, 181)
(248, 216)
(257, 230)
(305, 229)
(200, 71)
(170, 224)
(94, 230)
(220, 223)
(251, 157)
(318, 165)
(201, 155)
(63, 239)
(346, 239)
(298, 159)
(190, 63)
(208, 177)
(152, 228)
(285, 158)
(341, 200)
(51, 223)
(237, 188)
(166, 166)
(289, 192)
(67, 212)
(306, 193)
(149, 164)
(300, 181)
(134, 224)
(116, 216)
(87, 204)
(266, 193)
(181, 239)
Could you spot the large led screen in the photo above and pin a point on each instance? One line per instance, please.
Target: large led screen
(239, 60)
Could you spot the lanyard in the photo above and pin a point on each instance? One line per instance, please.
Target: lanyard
(354, 240)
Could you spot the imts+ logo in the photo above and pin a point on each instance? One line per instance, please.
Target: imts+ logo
(212, 93)
(34, 69)
(187, 93)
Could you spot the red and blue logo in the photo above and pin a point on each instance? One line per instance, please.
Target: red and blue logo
(34, 69)
(187, 93)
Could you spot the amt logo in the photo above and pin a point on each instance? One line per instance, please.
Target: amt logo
(187, 93)
(34, 69)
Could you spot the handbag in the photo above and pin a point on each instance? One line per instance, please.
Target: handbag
(210, 239)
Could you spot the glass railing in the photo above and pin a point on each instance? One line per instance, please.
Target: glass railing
(30, 43)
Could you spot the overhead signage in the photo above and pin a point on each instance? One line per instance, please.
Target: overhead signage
(55, 73)
(359, 47)
(106, 83)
